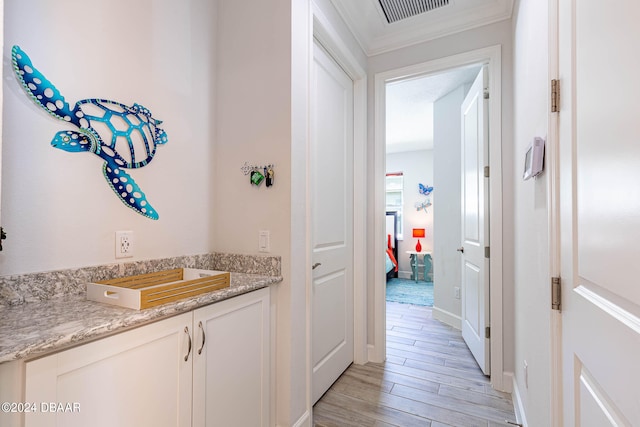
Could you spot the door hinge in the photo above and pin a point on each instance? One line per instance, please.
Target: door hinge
(486, 171)
(555, 96)
(556, 296)
(487, 252)
(487, 332)
(486, 93)
(3, 236)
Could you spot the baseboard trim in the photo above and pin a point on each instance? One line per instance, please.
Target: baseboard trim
(518, 407)
(404, 274)
(507, 382)
(373, 355)
(304, 420)
(447, 317)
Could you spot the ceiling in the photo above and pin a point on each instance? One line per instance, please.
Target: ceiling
(368, 21)
(410, 103)
(409, 109)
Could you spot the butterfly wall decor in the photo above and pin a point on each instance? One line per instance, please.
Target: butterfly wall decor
(425, 190)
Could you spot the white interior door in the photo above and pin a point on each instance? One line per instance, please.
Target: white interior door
(331, 174)
(600, 212)
(475, 223)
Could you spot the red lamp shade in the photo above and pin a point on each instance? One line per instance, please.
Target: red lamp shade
(418, 232)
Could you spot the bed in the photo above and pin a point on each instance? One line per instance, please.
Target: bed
(391, 251)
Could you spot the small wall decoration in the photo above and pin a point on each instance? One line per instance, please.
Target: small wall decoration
(257, 174)
(424, 190)
(125, 137)
(424, 204)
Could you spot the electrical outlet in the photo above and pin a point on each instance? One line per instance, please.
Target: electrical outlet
(124, 244)
(456, 292)
(526, 375)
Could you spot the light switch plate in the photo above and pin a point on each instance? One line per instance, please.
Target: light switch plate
(263, 241)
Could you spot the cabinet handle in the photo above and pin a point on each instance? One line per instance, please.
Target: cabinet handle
(186, 331)
(203, 337)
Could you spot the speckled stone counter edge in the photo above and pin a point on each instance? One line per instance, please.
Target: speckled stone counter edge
(35, 287)
(35, 329)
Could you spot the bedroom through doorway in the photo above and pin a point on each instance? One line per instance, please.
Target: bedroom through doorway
(422, 183)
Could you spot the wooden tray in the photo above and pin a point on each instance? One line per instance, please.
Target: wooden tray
(148, 290)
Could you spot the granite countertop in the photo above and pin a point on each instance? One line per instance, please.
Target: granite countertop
(37, 328)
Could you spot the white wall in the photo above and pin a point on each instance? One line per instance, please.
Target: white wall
(254, 125)
(417, 167)
(58, 210)
(230, 80)
(489, 35)
(531, 255)
(447, 212)
(263, 55)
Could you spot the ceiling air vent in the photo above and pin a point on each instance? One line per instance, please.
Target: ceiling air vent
(396, 10)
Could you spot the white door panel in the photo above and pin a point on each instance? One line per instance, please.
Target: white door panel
(600, 212)
(475, 220)
(471, 158)
(329, 292)
(331, 222)
(471, 297)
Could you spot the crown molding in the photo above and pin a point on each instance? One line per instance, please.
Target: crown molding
(368, 25)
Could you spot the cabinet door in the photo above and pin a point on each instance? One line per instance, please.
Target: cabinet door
(136, 378)
(231, 373)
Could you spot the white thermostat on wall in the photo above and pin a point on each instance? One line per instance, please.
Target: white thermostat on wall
(534, 159)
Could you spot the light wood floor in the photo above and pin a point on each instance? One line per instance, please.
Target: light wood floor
(430, 378)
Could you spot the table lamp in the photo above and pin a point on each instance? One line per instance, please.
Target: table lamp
(417, 233)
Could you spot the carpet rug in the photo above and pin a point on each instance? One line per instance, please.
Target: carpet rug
(409, 292)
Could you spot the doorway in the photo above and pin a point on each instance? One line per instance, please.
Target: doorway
(492, 58)
(422, 144)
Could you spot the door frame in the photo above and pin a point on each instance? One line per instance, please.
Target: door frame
(552, 147)
(492, 56)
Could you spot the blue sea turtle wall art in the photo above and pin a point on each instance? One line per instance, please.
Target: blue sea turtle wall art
(125, 137)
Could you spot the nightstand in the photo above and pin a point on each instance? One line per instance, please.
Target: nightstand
(427, 262)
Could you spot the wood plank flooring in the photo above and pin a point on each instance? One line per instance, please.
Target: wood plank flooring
(430, 378)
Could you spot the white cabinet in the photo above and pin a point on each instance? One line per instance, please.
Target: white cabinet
(209, 367)
(135, 378)
(231, 373)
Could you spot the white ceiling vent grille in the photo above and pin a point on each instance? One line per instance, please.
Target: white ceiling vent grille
(396, 10)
